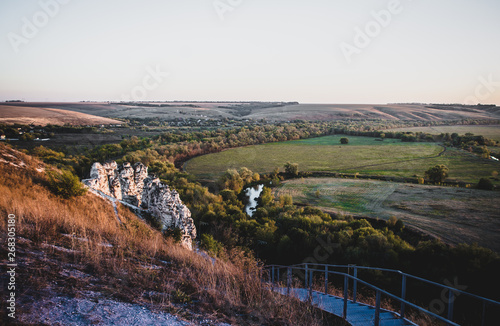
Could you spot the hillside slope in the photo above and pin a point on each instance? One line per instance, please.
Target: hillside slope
(77, 263)
(271, 111)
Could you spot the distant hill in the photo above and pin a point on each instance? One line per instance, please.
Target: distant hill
(271, 111)
(25, 113)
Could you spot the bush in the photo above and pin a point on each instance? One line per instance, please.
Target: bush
(437, 174)
(485, 184)
(65, 184)
(292, 169)
(344, 140)
(212, 246)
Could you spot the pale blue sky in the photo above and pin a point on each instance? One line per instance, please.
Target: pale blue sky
(267, 50)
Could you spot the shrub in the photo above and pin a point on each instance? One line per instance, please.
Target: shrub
(211, 245)
(292, 169)
(344, 140)
(437, 174)
(65, 184)
(485, 184)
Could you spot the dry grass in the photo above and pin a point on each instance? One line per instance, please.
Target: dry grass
(131, 261)
(456, 215)
(46, 115)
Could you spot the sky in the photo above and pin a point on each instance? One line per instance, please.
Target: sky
(310, 51)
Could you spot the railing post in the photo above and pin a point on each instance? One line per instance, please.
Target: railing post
(310, 285)
(377, 309)
(288, 280)
(355, 284)
(326, 279)
(305, 282)
(272, 278)
(346, 293)
(403, 296)
(451, 299)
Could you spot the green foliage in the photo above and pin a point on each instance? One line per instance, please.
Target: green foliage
(48, 155)
(232, 180)
(344, 140)
(228, 196)
(212, 246)
(266, 197)
(395, 224)
(235, 181)
(65, 184)
(437, 174)
(292, 169)
(285, 200)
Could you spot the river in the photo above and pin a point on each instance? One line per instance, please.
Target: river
(253, 193)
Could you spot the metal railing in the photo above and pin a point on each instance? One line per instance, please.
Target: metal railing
(309, 269)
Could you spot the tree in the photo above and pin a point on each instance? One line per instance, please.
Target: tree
(292, 169)
(437, 174)
(232, 180)
(246, 175)
(66, 184)
(344, 140)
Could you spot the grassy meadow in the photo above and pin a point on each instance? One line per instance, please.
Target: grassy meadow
(363, 155)
(454, 214)
(488, 131)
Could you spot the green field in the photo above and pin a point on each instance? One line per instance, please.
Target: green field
(488, 131)
(454, 214)
(362, 155)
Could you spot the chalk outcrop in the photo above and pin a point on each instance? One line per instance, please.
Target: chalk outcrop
(132, 185)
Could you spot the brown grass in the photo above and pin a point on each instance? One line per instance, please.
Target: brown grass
(44, 115)
(130, 261)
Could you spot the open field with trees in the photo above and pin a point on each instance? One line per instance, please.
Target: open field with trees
(488, 131)
(363, 155)
(455, 215)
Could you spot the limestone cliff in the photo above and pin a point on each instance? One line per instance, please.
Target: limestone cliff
(133, 186)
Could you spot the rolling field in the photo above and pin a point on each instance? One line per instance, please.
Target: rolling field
(455, 215)
(362, 155)
(273, 111)
(488, 131)
(46, 115)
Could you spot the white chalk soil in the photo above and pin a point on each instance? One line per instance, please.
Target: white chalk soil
(92, 309)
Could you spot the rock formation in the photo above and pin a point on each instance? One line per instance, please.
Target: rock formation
(133, 186)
